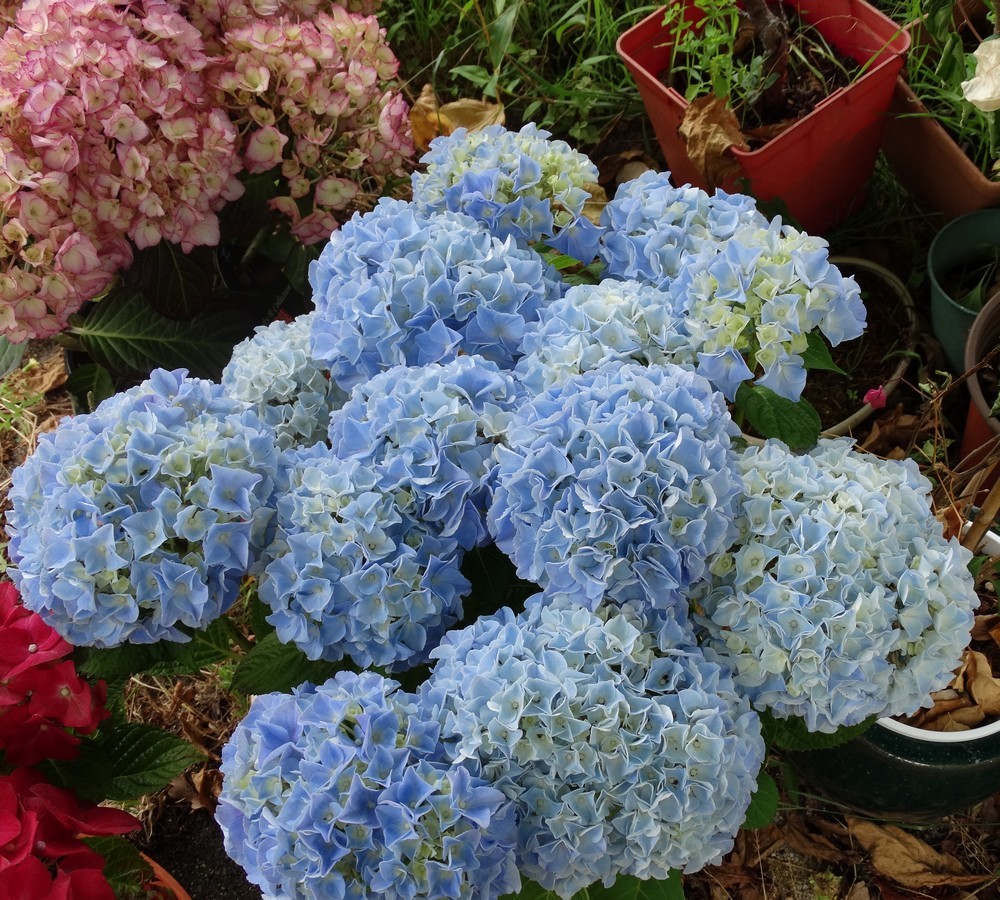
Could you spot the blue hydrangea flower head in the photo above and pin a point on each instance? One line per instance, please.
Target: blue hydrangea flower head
(761, 298)
(519, 184)
(144, 515)
(840, 599)
(274, 372)
(625, 751)
(653, 227)
(432, 432)
(596, 324)
(400, 287)
(351, 571)
(342, 791)
(618, 484)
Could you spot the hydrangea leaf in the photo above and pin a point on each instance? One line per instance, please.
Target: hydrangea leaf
(144, 758)
(817, 355)
(125, 335)
(274, 666)
(797, 424)
(88, 776)
(124, 867)
(90, 384)
(10, 356)
(791, 734)
(176, 284)
(763, 803)
(627, 887)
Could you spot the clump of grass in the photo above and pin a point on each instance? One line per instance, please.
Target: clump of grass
(554, 63)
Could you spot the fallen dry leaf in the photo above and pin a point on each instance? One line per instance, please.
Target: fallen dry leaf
(428, 120)
(985, 689)
(858, 891)
(617, 168)
(906, 859)
(49, 377)
(473, 114)
(709, 129)
(806, 836)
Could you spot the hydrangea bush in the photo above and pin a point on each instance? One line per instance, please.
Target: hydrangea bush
(837, 602)
(142, 517)
(510, 433)
(343, 791)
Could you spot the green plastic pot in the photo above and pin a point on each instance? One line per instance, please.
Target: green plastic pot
(982, 429)
(956, 244)
(897, 771)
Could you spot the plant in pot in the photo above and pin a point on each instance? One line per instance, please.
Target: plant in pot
(941, 137)
(817, 163)
(545, 557)
(186, 195)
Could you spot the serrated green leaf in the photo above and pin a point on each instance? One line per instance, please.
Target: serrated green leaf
(763, 804)
(626, 887)
(817, 355)
(115, 662)
(89, 384)
(177, 285)
(531, 891)
(89, 775)
(273, 666)
(797, 424)
(144, 759)
(792, 734)
(127, 336)
(10, 356)
(124, 867)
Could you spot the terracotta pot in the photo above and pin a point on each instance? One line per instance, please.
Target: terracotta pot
(928, 162)
(898, 771)
(163, 884)
(982, 427)
(820, 165)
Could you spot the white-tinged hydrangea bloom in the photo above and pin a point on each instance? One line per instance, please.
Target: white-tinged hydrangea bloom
(618, 484)
(143, 516)
(341, 792)
(841, 599)
(432, 432)
(653, 227)
(751, 307)
(519, 184)
(625, 751)
(399, 287)
(350, 571)
(275, 373)
(595, 324)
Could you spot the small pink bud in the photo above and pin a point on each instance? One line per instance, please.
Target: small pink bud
(875, 397)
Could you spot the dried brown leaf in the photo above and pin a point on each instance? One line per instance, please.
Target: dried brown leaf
(908, 860)
(986, 627)
(45, 378)
(858, 891)
(806, 836)
(426, 120)
(985, 689)
(709, 128)
(473, 114)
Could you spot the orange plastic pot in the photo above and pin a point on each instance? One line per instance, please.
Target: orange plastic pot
(819, 166)
(163, 884)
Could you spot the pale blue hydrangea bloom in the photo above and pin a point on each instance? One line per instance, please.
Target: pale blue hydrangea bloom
(618, 484)
(351, 571)
(625, 751)
(275, 373)
(342, 791)
(143, 516)
(432, 432)
(653, 227)
(596, 324)
(519, 184)
(398, 287)
(841, 599)
(751, 307)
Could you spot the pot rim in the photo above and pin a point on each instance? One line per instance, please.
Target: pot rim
(940, 737)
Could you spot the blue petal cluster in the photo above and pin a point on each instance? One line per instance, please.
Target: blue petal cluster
(144, 515)
(351, 571)
(274, 373)
(617, 485)
(396, 286)
(341, 791)
(432, 433)
(841, 599)
(752, 306)
(597, 324)
(519, 184)
(625, 751)
(652, 227)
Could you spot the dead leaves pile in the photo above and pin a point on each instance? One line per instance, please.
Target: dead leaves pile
(803, 857)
